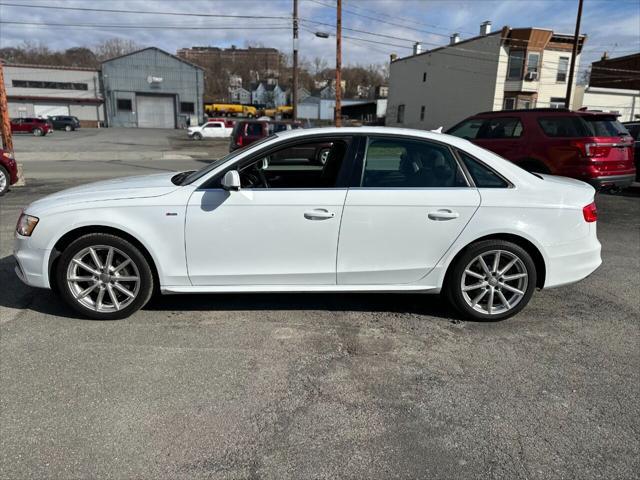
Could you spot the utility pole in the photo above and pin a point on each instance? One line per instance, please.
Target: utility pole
(294, 91)
(5, 123)
(338, 114)
(574, 54)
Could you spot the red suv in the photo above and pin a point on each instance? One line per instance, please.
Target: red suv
(8, 172)
(590, 146)
(246, 132)
(36, 126)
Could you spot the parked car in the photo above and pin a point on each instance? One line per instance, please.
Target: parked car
(391, 210)
(634, 130)
(210, 129)
(8, 172)
(65, 122)
(245, 132)
(35, 126)
(590, 146)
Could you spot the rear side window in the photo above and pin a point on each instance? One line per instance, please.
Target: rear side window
(399, 163)
(482, 175)
(564, 126)
(605, 126)
(500, 128)
(467, 129)
(277, 127)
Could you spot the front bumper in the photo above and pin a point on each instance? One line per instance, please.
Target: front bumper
(619, 181)
(31, 262)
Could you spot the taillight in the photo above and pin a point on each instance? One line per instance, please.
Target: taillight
(590, 212)
(239, 140)
(595, 150)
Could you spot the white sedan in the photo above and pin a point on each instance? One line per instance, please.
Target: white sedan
(210, 129)
(391, 210)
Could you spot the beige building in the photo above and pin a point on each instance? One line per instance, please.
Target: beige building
(512, 68)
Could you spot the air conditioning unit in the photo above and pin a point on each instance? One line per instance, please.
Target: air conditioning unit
(531, 76)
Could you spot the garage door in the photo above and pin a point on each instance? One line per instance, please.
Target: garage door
(50, 110)
(155, 112)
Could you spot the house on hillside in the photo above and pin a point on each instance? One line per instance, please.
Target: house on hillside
(512, 68)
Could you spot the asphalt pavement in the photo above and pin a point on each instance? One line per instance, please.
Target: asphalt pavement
(323, 386)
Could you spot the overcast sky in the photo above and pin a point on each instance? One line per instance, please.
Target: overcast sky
(612, 25)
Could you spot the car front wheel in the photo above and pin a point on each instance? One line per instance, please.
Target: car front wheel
(104, 277)
(67, 128)
(4, 180)
(197, 136)
(491, 280)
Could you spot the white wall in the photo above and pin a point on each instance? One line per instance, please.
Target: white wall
(622, 101)
(548, 86)
(88, 77)
(461, 81)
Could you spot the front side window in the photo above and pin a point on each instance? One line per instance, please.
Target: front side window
(483, 176)
(516, 65)
(309, 164)
(213, 125)
(563, 68)
(400, 118)
(391, 163)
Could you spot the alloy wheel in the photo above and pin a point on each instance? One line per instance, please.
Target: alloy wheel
(103, 278)
(494, 282)
(3, 180)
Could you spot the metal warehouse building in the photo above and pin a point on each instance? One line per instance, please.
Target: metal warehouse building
(151, 88)
(41, 91)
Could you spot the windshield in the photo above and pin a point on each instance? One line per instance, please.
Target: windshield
(192, 177)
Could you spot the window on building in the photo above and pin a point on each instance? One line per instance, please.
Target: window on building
(509, 103)
(187, 107)
(525, 103)
(422, 111)
(49, 85)
(400, 115)
(563, 68)
(533, 62)
(424, 76)
(124, 104)
(483, 176)
(410, 164)
(556, 102)
(516, 65)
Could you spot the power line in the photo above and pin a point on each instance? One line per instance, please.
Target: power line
(166, 27)
(145, 12)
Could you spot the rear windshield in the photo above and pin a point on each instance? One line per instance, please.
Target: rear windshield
(605, 126)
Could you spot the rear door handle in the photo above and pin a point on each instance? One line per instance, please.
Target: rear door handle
(443, 214)
(318, 214)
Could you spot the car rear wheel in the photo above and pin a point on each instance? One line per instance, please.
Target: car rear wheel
(37, 132)
(197, 136)
(492, 280)
(68, 128)
(4, 180)
(104, 277)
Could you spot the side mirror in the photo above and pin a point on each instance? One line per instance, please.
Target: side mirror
(231, 180)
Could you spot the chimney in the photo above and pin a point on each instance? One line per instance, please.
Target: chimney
(605, 56)
(417, 48)
(393, 57)
(485, 28)
(453, 39)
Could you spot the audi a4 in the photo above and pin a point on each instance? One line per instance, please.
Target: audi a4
(389, 210)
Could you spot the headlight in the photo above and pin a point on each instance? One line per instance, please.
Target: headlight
(26, 224)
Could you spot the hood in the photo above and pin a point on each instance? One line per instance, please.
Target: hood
(142, 186)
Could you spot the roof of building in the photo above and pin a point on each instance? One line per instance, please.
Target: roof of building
(48, 67)
(504, 32)
(158, 50)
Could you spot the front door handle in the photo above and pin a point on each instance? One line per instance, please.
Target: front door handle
(443, 214)
(318, 214)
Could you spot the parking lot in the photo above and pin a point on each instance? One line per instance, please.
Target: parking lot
(312, 386)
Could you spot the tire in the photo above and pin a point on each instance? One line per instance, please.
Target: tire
(197, 136)
(37, 132)
(5, 180)
(103, 287)
(467, 270)
(67, 128)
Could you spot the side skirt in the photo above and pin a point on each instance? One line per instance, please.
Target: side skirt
(168, 290)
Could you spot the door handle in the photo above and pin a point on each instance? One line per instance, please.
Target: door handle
(318, 214)
(443, 214)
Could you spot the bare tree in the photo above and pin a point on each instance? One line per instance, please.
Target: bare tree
(114, 47)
